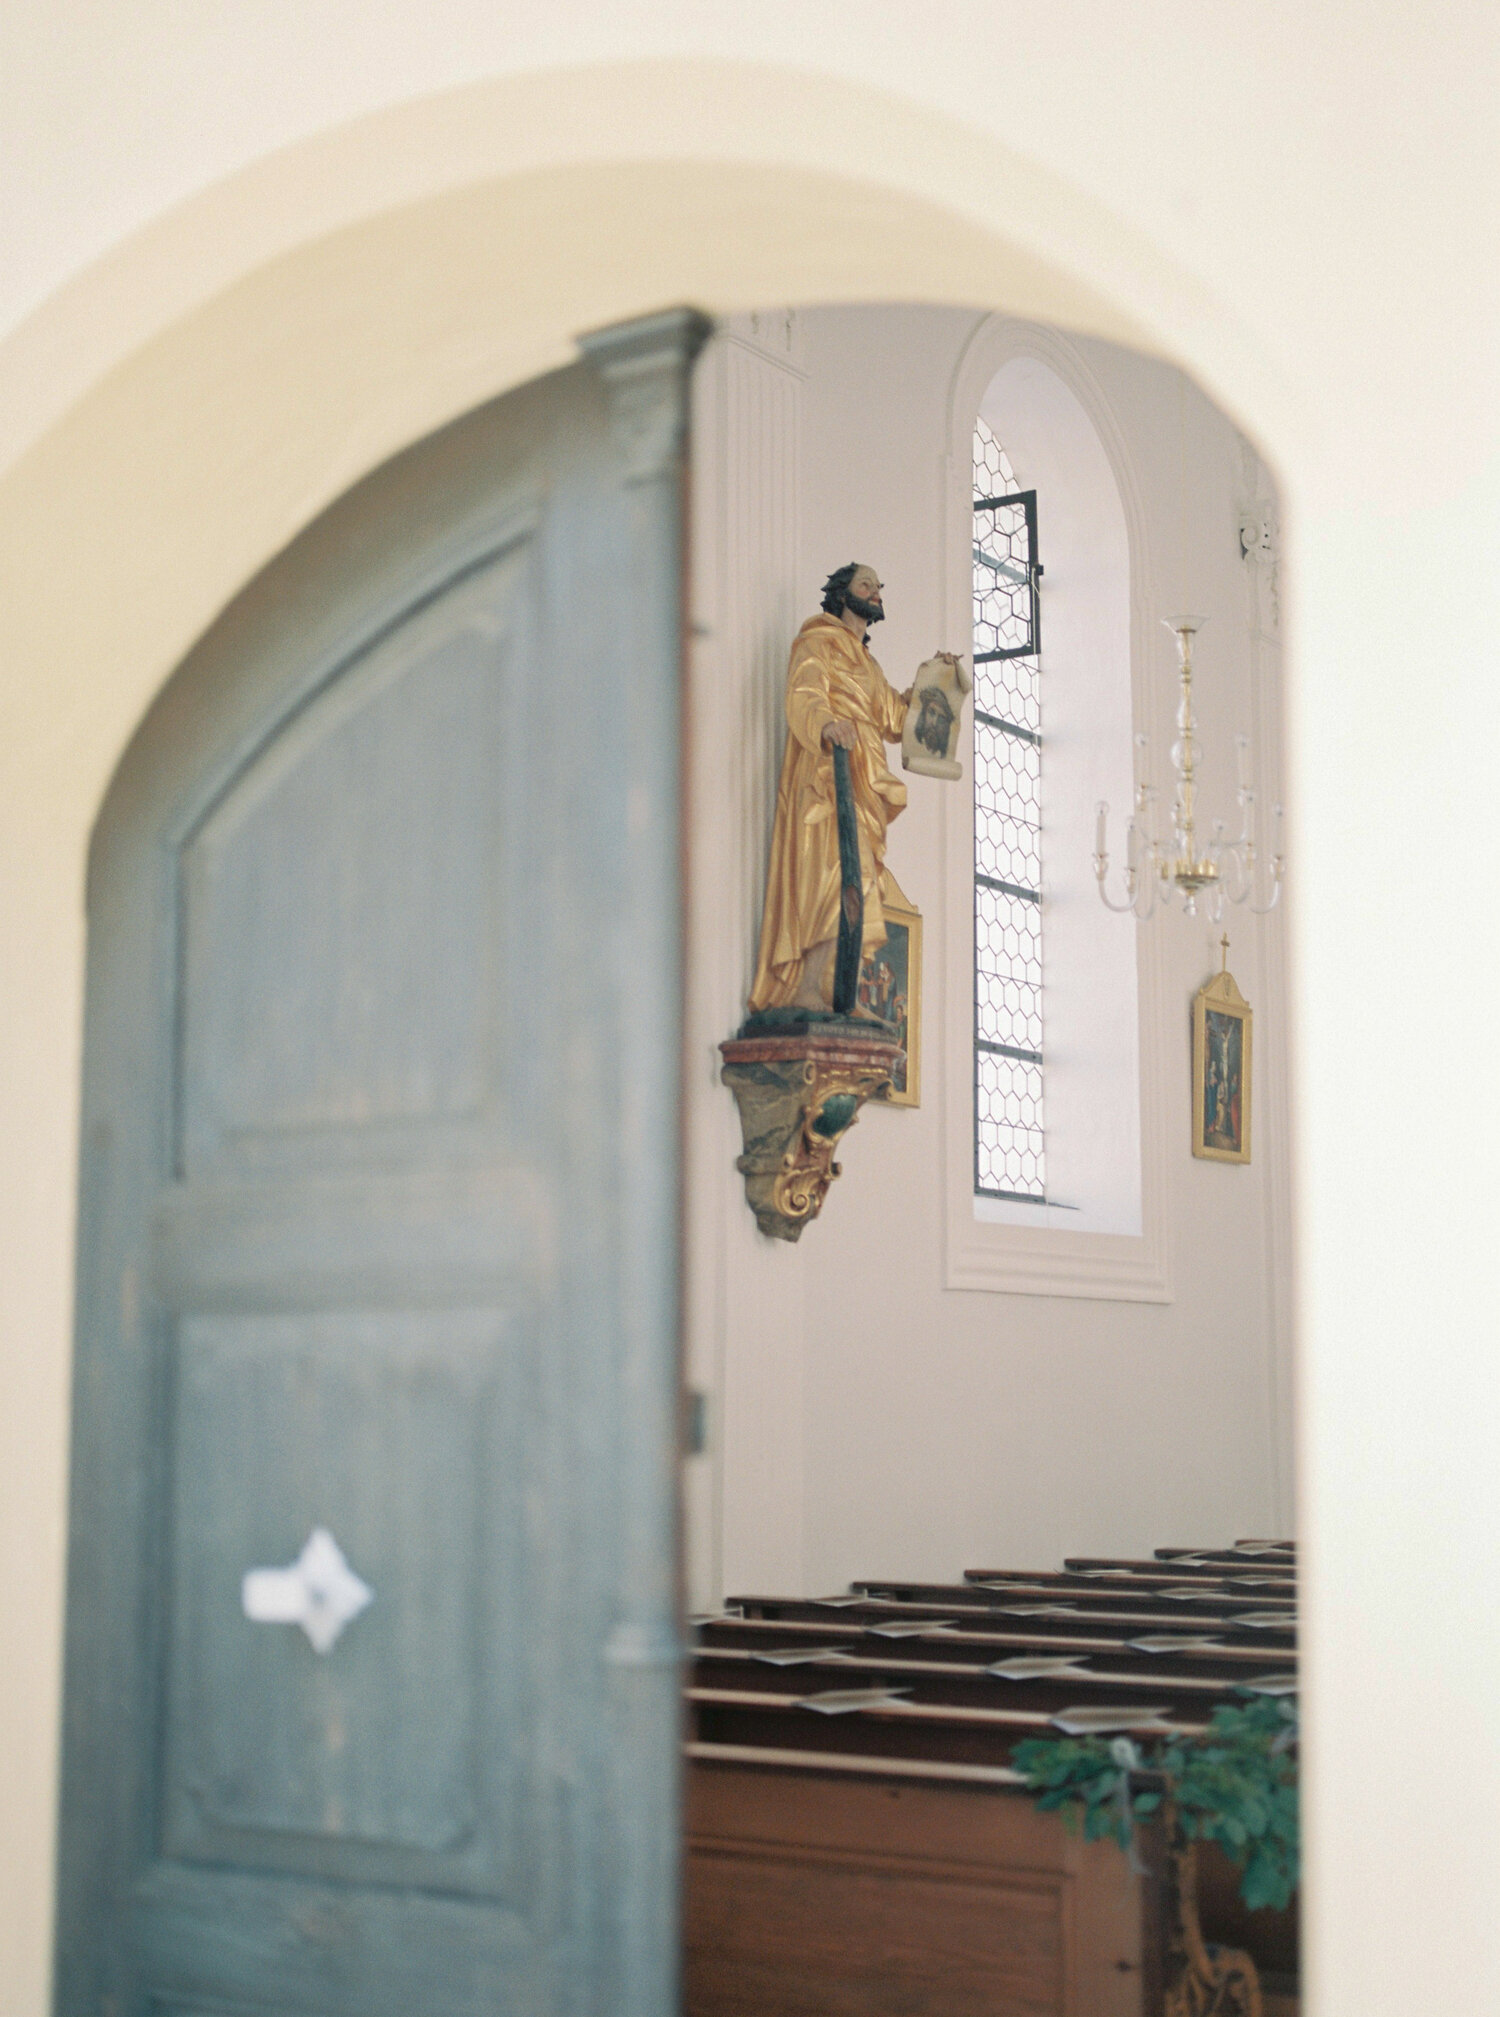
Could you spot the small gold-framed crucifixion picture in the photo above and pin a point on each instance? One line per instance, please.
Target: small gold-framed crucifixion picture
(890, 986)
(1221, 1068)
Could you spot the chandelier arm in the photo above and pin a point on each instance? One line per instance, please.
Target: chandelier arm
(1130, 903)
(1101, 872)
(1101, 861)
(1239, 879)
(1265, 909)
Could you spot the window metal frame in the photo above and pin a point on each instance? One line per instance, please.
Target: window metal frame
(1027, 501)
(1031, 649)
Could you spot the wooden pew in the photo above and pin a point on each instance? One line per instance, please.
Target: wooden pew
(885, 1858)
(1182, 1697)
(1205, 1585)
(1226, 1563)
(825, 1885)
(1241, 1551)
(984, 1641)
(1191, 1589)
(1045, 1611)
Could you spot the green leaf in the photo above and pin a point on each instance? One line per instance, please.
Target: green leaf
(1235, 1784)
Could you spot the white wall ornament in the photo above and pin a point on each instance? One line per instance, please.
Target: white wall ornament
(775, 332)
(1257, 533)
(1260, 549)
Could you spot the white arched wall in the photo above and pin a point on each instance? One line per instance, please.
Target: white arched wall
(889, 1390)
(1146, 533)
(1037, 391)
(1090, 988)
(174, 413)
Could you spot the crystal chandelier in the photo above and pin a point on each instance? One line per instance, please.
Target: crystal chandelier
(1224, 870)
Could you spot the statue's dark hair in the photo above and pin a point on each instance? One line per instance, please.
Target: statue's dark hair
(836, 588)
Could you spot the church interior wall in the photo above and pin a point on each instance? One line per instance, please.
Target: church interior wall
(863, 1417)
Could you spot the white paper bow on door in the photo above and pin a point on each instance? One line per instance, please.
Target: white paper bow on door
(319, 1592)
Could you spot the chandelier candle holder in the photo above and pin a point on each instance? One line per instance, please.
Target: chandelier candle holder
(1223, 871)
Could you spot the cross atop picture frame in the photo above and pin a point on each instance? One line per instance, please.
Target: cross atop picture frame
(1221, 1068)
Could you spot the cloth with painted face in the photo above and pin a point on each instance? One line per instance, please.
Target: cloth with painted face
(934, 725)
(832, 678)
(930, 742)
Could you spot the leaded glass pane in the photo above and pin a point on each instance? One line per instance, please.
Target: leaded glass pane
(1009, 1145)
(1007, 807)
(993, 475)
(1009, 688)
(1008, 970)
(1009, 1150)
(1004, 607)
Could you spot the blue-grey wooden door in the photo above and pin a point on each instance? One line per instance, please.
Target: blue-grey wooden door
(378, 1251)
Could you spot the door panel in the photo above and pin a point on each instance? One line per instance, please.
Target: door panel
(397, 1432)
(340, 971)
(377, 1258)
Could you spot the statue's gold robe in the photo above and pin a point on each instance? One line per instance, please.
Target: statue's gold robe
(832, 677)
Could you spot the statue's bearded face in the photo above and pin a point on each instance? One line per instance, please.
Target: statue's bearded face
(863, 595)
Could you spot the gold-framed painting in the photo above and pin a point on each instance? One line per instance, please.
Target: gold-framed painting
(890, 986)
(1222, 1028)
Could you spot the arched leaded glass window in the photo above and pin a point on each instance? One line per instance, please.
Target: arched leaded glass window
(1010, 1158)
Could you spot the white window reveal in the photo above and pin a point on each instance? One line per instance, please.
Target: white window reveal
(1010, 1150)
(1051, 1189)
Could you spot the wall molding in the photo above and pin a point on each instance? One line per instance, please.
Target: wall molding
(747, 482)
(1260, 546)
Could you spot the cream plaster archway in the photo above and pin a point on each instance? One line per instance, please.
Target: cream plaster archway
(174, 417)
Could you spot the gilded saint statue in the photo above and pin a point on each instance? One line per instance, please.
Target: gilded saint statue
(836, 695)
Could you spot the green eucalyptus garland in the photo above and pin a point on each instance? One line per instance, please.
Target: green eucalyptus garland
(1235, 1784)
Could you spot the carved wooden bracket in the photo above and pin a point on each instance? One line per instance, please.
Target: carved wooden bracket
(799, 1091)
